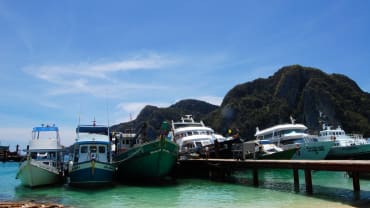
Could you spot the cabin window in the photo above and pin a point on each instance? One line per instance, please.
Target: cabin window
(101, 149)
(93, 149)
(84, 149)
(198, 144)
(268, 136)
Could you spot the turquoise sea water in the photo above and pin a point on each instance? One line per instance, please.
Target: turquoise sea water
(331, 189)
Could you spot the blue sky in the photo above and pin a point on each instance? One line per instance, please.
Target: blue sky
(108, 59)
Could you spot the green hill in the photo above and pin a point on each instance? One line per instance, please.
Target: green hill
(301, 92)
(154, 116)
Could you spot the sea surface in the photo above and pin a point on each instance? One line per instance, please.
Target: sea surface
(330, 189)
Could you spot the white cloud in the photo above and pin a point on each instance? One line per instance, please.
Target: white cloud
(99, 79)
(57, 73)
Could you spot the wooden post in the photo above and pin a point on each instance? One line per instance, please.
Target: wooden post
(308, 180)
(296, 179)
(255, 176)
(356, 181)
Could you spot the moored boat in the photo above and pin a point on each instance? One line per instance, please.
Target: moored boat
(91, 163)
(346, 146)
(266, 150)
(192, 136)
(43, 165)
(142, 159)
(289, 136)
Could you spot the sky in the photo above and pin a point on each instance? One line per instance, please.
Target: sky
(65, 61)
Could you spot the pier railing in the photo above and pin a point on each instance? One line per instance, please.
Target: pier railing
(221, 167)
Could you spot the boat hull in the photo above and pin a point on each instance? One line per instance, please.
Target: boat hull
(283, 155)
(356, 152)
(91, 173)
(313, 151)
(153, 160)
(34, 173)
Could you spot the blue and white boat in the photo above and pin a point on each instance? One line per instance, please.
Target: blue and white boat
(91, 163)
(43, 165)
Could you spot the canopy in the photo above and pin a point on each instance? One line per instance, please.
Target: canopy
(45, 128)
(92, 129)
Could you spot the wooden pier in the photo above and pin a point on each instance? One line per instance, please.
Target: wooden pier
(223, 167)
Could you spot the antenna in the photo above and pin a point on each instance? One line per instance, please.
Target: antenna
(94, 122)
(110, 143)
(79, 115)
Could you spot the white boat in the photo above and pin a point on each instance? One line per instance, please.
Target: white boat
(289, 136)
(265, 149)
(190, 135)
(43, 165)
(346, 146)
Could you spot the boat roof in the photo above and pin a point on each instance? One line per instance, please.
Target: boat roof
(45, 128)
(280, 127)
(185, 121)
(88, 137)
(329, 129)
(92, 142)
(92, 129)
(193, 128)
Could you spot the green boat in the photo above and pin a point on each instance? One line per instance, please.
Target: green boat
(137, 158)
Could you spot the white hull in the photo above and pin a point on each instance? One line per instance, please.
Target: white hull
(34, 173)
(312, 150)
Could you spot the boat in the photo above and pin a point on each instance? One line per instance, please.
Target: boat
(43, 164)
(192, 136)
(266, 150)
(346, 146)
(4, 152)
(292, 135)
(138, 158)
(91, 163)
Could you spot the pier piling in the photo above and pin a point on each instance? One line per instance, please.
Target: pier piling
(255, 177)
(356, 181)
(296, 179)
(308, 180)
(350, 166)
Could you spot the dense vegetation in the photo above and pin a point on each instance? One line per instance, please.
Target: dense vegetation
(154, 116)
(302, 92)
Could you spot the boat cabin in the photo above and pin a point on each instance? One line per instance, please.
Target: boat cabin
(92, 143)
(87, 151)
(125, 140)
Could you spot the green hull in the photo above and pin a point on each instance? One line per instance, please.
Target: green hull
(283, 155)
(151, 160)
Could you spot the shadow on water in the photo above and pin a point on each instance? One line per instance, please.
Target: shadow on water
(38, 194)
(283, 182)
(149, 182)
